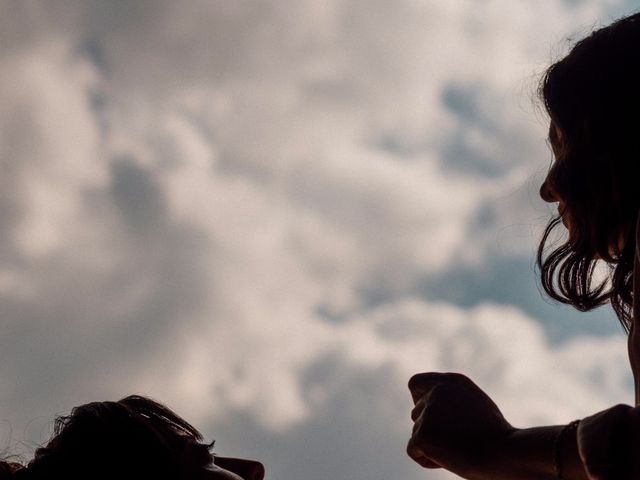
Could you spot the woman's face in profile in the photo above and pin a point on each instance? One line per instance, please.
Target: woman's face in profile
(228, 468)
(547, 192)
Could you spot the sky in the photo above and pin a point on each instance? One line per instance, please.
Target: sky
(270, 214)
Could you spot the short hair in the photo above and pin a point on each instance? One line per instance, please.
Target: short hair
(132, 438)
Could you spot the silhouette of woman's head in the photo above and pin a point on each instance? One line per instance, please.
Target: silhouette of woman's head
(592, 96)
(134, 438)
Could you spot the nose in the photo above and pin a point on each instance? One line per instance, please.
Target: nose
(547, 193)
(247, 469)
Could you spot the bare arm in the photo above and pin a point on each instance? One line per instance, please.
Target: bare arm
(459, 428)
(528, 454)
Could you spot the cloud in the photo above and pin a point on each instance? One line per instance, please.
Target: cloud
(249, 211)
(354, 385)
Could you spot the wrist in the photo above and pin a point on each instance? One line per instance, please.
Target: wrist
(520, 454)
(532, 454)
(497, 459)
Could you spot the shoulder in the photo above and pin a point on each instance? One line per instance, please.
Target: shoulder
(604, 437)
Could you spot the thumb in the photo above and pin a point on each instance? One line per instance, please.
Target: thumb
(417, 455)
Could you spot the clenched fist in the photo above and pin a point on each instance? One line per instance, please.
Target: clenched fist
(456, 425)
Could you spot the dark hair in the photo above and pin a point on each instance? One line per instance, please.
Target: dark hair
(7, 469)
(133, 438)
(593, 97)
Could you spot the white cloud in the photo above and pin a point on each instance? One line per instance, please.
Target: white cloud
(50, 145)
(355, 374)
(215, 203)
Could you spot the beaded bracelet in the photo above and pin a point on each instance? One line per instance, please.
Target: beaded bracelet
(557, 447)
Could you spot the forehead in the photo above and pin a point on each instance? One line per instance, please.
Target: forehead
(214, 472)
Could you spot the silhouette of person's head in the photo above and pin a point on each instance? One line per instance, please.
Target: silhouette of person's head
(134, 438)
(592, 96)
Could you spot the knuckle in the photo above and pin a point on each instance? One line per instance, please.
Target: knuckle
(440, 391)
(425, 429)
(457, 377)
(421, 379)
(416, 427)
(416, 380)
(417, 410)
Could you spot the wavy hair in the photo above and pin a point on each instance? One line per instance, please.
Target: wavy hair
(592, 96)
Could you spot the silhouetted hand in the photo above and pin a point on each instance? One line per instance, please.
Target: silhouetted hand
(456, 425)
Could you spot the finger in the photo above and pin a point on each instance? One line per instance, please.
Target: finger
(418, 409)
(421, 383)
(417, 423)
(416, 426)
(418, 456)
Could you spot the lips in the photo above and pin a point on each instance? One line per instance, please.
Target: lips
(562, 211)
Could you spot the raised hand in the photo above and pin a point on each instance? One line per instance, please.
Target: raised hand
(456, 425)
